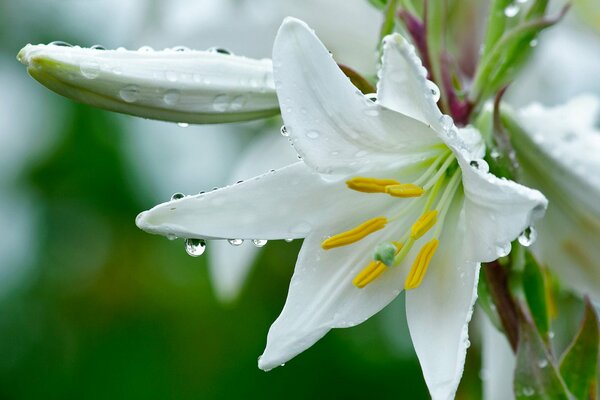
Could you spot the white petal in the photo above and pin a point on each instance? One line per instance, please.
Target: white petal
(496, 212)
(332, 125)
(498, 364)
(438, 311)
(229, 265)
(558, 151)
(561, 145)
(403, 85)
(322, 296)
(179, 86)
(286, 203)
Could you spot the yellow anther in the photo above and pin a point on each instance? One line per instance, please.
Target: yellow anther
(423, 224)
(419, 267)
(355, 234)
(370, 185)
(369, 274)
(404, 190)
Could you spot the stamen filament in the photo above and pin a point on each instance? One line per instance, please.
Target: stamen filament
(404, 190)
(420, 265)
(355, 234)
(369, 274)
(423, 224)
(432, 181)
(370, 185)
(433, 167)
(446, 200)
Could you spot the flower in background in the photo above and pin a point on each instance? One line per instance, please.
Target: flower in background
(558, 148)
(381, 186)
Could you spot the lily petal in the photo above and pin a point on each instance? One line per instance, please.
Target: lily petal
(181, 86)
(229, 265)
(335, 128)
(322, 296)
(558, 151)
(496, 211)
(438, 312)
(285, 203)
(403, 85)
(499, 363)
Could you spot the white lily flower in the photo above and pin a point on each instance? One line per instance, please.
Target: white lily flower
(558, 150)
(178, 84)
(358, 159)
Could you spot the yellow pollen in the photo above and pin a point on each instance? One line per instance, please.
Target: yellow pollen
(423, 224)
(369, 274)
(419, 267)
(404, 190)
(370, 185)
(355, 234)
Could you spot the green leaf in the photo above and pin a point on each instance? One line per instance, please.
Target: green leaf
(534, 287)
(501, 63)
(486, 302)
(496, 24)
(389, 22)
(536, 375)
(358, 80)
(379, 4)
(579, 362)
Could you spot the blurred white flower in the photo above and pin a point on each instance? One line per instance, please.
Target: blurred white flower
(558, 149)
(342, 280)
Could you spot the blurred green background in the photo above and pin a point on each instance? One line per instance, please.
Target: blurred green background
(93, 308)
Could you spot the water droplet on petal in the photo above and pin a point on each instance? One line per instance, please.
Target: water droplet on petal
(195, 247)
(183, 124)
(447, 122)
(219, 50)
(235, 242)
(312, 134)
(98, 47)
(480, 165)
(130, 93)
(90, 69)
(259, 242)
(177, 196)
(289, 240)
(180, 48)
(372, 97)
(171, 96)
(435, 91)
(467, 343)
(60, 43)
(528, 236)
(171, 236)
(503, 251)
(533, 43)
(511, 10)
(284, 131)
(543, 363)
(146, 49)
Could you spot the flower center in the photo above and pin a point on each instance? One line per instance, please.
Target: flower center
(435, 189)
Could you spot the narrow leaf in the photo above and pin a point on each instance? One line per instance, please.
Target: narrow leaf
(534, 287)
(580, 361)
(536, 375)
(181, 86)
